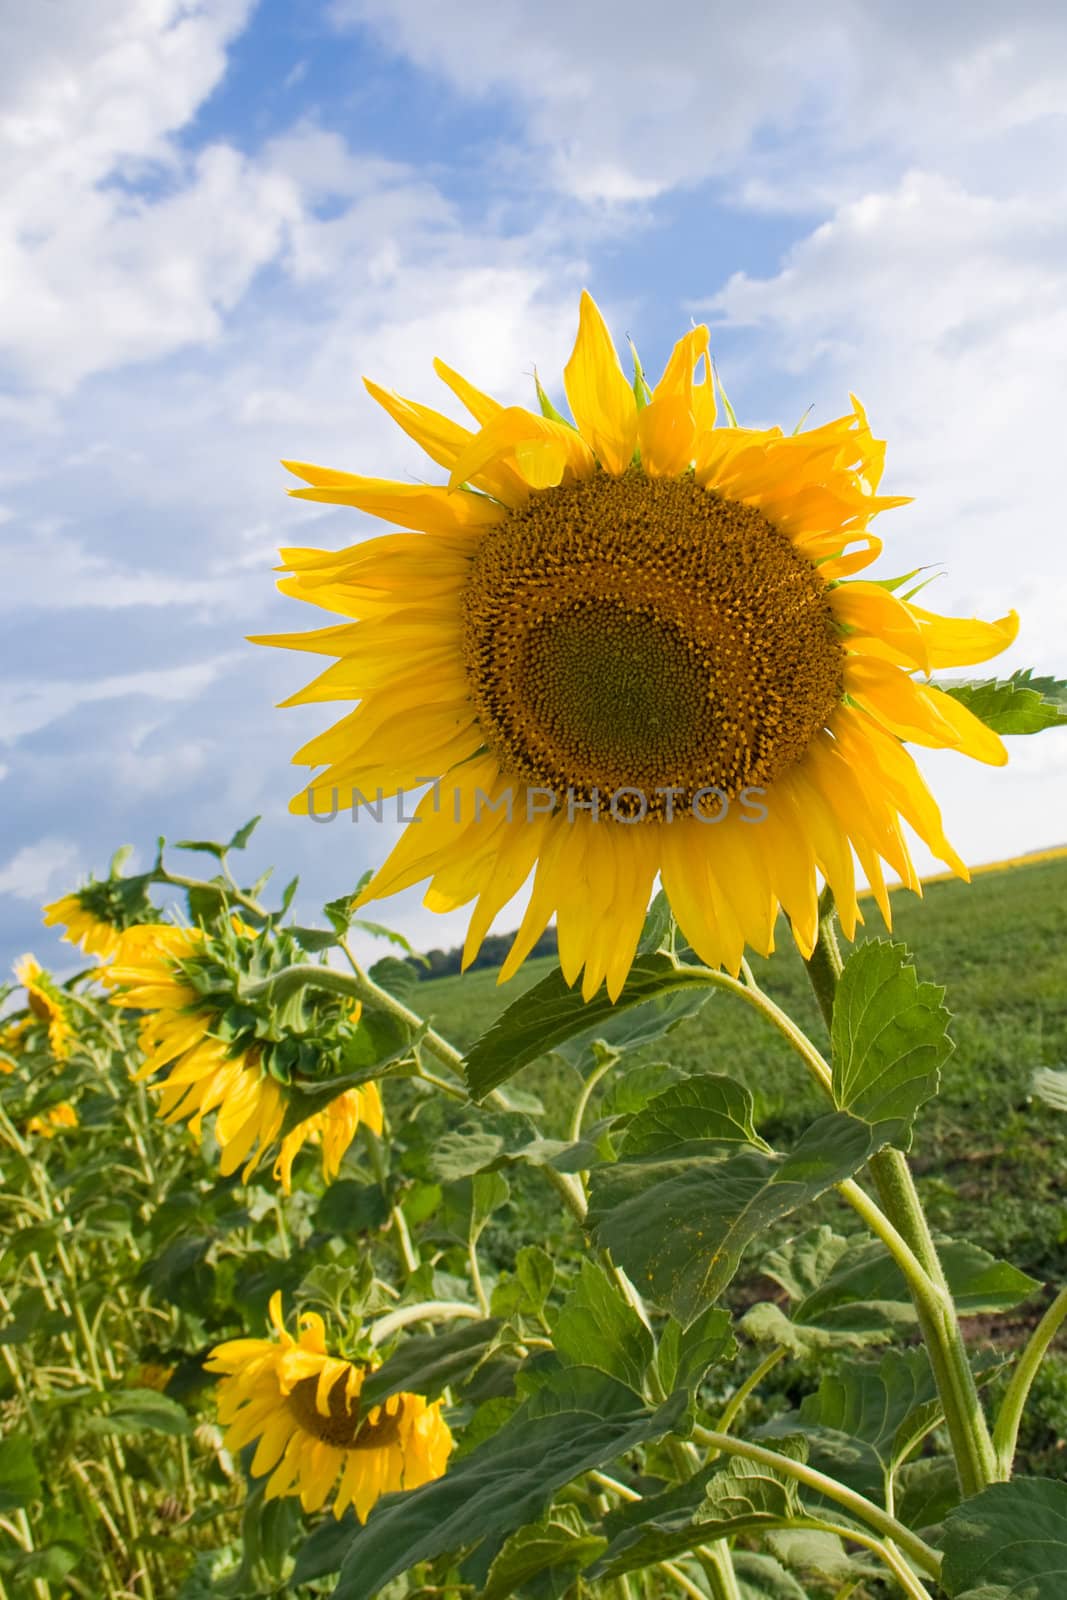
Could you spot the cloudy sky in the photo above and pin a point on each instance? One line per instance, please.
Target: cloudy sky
(216, 215)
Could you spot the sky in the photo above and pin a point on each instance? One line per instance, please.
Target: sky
(216, 216)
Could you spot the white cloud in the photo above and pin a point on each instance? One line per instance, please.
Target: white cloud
(36, 869)
(628, 103)
(30, 706)
(114, 245)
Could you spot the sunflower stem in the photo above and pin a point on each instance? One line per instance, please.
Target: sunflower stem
(972, 1445)
(1006, 1428)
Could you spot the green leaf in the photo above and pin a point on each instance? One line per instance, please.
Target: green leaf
(686, 1354)
(596, 1327)
(1008, 1543)
(889, 1038)
(428, 1363)
(926, 1491)
(470, 1202)
(553, 1543)
(210, 847)
(323, 1551)
(865, 1417)
(50, 1563)
(348, 1207)
(735, 1497)
(378, 930)
(134, 1411)
(19, 1480)
(679, 1225)
(659, 925)
(1019, 704)
(536, 1271)
(580, 1419)
(1050, 1086)
(851, 1291)
(242, 836)
(551, 1014)
(762, 1577)
(689, 1113)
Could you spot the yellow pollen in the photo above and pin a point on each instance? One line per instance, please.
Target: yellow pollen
(643, 633)
(344, 1428)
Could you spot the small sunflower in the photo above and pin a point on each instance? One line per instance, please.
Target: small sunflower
(213, 1065)
(632, 645)
(302, 1405)
(13, 1042)
(45, 1000)
(48, 1123)
(85, 928)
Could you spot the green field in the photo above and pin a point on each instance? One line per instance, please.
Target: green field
(991, 1162)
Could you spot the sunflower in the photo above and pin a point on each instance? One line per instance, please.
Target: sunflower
(46, 1004)
(13, 1042)
(302, 1405)
(85, 928)
(334, 1128)
(631, 646)
(48, 1123)
(182, 1035)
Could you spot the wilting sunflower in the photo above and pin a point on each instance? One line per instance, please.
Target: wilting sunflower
(302, 1405)
(628, 646)
(207, 1068)
(48, 1123)
(46, 1003)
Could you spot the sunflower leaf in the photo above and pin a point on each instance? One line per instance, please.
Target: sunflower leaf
(1019, 704)
(596, 1327)
(551, 1015)
(19, 1479)
(551, 1544)
(679, 1221)
(430, 1362)
(1008, 1541)
(577, 1420)
(889, 1038)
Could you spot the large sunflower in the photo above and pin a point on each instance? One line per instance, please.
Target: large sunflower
(303, 1407)
(632, 646)
(206, 1069)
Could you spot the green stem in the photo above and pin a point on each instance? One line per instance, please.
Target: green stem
(753, 1381)
(1006, 1430)
(421, 1311)
(922, 1554)
(718, 1568)
(972, 1446)
(588, 1086)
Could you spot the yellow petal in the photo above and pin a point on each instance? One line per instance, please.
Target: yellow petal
(601, 399)
(963, 641)
(543, 453)
(873, 612)
(482, 407)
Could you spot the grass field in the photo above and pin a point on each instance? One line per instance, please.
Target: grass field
(991, 1162)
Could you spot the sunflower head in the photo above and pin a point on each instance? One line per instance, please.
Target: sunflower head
(46, 1004)
(95, 915)
(207, 1048)
(303, 1407)
(632, 643)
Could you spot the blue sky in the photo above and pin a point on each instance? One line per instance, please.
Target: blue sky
(219, 215)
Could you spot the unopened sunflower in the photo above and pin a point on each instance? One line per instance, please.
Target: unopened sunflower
(302, 1405)
(631, 646)
(46, 1003)
(209, 1064)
